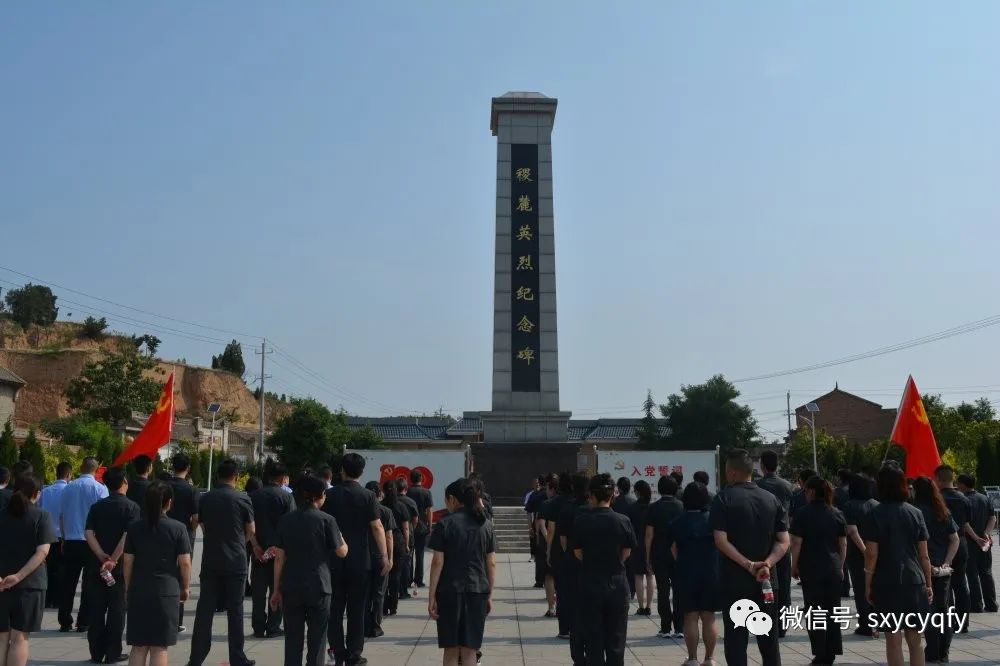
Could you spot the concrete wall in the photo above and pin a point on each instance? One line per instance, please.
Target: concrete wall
(7, 395)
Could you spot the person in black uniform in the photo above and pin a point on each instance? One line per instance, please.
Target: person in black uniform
(531, 507)
(942, 546)
(379, 583)
(570, 567)
(253, 484)
(27, 533)
(184, 507)
(961, 512)
(799, 496)
(107, 523)
(861, 501)
(783, 491)
(227, 518)
(358, 519)
(422, 529)
(659, 559)
(400, 536)
(602, 541)
(622, 504)
(463, 573)
(551, 490)
(982, 520)
(157, 577)
(841, 495)
(406, 566)
(139, 483)
(550, 511)
(20, 468)
(643, 582)
(701, 477)
(304, 539)
(751, 533)
(819, 548)
(898, 575)
(270, 503)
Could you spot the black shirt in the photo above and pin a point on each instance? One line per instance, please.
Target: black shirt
(896, 527)
(424, 501)
(223, 513)
(309, 537)
(411, 508)
(780, 488)
(981, 511)
(566, 524)
(535, 501)
(400, 515)
(20, 538)
(270, 503)
(601, 534)
(109, 519)
(752, 518)
(961, 512)
(466, 543)
(389, 525)
(661, 513)
(637, 515)
(841, 495)
(798, 501)
(156, 550)
(938, 534)
(820, 527)
(185, 504)
(137, 488)
(355, 508)
(856, 513)
(622, 504)
(5, 495)
(550, 511)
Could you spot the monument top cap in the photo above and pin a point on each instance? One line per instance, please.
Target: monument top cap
(521, 102)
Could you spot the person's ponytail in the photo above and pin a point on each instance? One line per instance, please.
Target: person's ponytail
(26, 488)
(158, 496)
(472, 499)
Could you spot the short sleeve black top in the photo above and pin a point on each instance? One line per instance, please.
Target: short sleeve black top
(109, 519)
(778, 487)
(958, 505)
(389, 525)
(156, 550)
(938, 534)
(223, 513)
(137, 488)
(697, 555)
(466, 543)
(661, 513)
(185, 503)
(798, 501)
(896, 527)
(400, 514)
(752, 518)
(637, 515)
(423, 499)
(567, 519)
(309, 538)
(21, 536)
(856, 511)
(270, 504)
(5, 495)
(411, 506)
(551, 511)
(820, 527)
(601, 535)
(623, 504)
(981, 511)
(355, 508)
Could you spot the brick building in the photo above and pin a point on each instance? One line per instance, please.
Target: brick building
(843, 414)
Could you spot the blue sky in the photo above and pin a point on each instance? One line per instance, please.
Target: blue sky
(738, 188)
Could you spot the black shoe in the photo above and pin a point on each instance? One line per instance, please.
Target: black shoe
(360, 662)
(260, 634)
(421, 585)
(82, 629)
(378, 633)
(97, 660)
(277, 633)
(65, 629)
(538, 586)
(406, 596)
(117, 660)
(976, 610)
(991, 609)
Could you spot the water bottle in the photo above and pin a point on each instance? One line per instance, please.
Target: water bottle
(107, 577)
(268, 555)
(767, 591)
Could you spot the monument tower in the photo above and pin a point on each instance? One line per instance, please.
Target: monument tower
(525, 346)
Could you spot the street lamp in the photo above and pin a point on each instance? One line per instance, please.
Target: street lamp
(812, 408)
(213, 409)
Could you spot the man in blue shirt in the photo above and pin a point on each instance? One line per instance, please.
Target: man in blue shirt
(74, 505)
(51, 501)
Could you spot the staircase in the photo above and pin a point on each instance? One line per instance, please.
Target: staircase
(510, 524)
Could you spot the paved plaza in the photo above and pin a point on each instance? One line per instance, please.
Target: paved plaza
(516, 634)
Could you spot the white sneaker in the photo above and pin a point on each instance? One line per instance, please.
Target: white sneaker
(663, 634)
(691, 662)
(678, 634)
(708, 662)
(331, 659)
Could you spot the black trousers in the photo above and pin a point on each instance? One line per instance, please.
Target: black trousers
(783, 595)
(263, 618)
(670, 616)
(191, 538)
(376, 603)
(394, 580)
(979, 573)
(961, 599)
(824, 594)
(350, 597)
(563, 594)
(939, 640)
(299, 614)
(574, 610)
(76, 556)
(419, 549)
(107, 615)
(230, 588)
(856, 564)
(54, 570)
(736, 638)
(604, 616)
(540, 564)
(405, 573)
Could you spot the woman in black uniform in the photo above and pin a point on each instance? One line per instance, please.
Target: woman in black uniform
(27, 532)
(463, 572)
(861, 500)
(941, 548)
(602, 541)
(157, 578)
(302, 583)
(400, 536)
(645, 582)
(897, 566)
(819, 548)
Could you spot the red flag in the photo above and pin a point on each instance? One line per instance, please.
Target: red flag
(158, 428)
(914, 434)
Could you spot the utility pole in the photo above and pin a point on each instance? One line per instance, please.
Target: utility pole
(264, 351)
(788, 398)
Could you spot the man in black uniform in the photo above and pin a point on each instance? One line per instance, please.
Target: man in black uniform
(658, 556)
(980, 570)
(570, 568)
(701, 477)
(138, 485)
(624, 501)
(406, 575)
(550, 512)
(425, 521)
(227, 519)
(531, 507)
(751, 533)
(379, 583)
(270, 503)
(783, 491)
(961, 512)
(185, 507)
(107, 522)
(602, 541)
(358, 519)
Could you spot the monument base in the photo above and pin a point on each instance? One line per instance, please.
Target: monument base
(507, 468)
(526, 426)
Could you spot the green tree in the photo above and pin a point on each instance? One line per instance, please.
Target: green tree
(151, 342)
(833, 454)
(31, 451)
(94, 436)
(310, 436)
(94, 328)
(365, 438)
(8, 446)
(231, 359)
(114, 386)
(32, 304)
(707, 415)
(649, 429)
